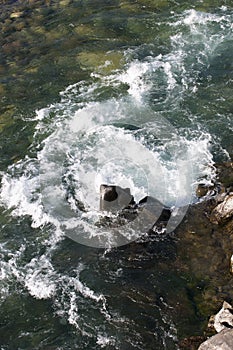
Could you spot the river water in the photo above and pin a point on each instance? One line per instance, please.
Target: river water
(133, 93)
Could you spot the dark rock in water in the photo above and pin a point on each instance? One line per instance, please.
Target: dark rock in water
(201, 190)
(107, 193)
(120, 200)
(115, 198)
(220, 341)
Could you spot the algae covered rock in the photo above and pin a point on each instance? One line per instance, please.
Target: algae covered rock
(100, 61)
(6, 116)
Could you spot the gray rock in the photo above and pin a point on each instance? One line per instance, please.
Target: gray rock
(224, 318)
(223, 324)
(220, 341)
(223, 211)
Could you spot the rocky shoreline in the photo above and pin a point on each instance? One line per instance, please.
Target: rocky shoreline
(205, 251)
(204, 259)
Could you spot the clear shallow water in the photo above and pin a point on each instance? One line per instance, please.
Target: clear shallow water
(155, 78)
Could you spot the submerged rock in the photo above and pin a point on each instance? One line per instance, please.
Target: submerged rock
(2, 89)
(101, 62)
(7, 116)
(154, 4)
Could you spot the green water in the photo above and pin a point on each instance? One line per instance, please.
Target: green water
(64, 295)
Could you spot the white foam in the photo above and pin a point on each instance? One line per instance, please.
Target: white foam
(85, 146)
(141, 76)
(40, 278)
(103, 341)
(193, 17)
(134, 78)
(73, 316)
(93, 153)
(21, 196)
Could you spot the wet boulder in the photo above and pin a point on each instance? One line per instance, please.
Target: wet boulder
(115, 198)
(223, 211)
(120, 201)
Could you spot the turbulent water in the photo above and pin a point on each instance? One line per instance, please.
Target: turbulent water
(152, 113)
